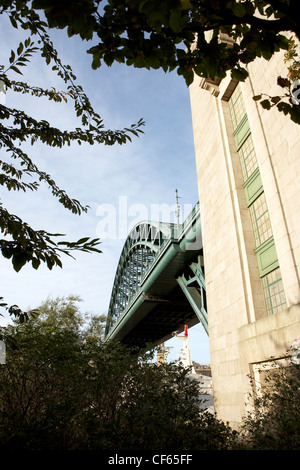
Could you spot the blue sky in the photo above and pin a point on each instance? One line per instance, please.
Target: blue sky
(144, 173)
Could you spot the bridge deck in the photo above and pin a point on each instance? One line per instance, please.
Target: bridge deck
(159, 306)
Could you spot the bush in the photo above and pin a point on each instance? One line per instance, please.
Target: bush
(61, 389)
(274, 423)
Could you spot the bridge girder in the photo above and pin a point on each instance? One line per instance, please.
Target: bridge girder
(150, 301)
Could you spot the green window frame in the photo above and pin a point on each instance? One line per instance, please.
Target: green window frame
(273, 292)
(237, 107)
(260, 219)
(248, 158)
(265, 249)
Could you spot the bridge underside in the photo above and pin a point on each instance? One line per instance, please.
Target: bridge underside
(164, 317)
(176, 298)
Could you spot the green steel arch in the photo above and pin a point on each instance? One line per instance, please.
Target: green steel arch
(139, 250)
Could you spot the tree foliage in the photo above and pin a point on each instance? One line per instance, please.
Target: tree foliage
(21, 243)
(204, 37)
(289, 101)
(24, 244)
(61, 388)
(274, 421)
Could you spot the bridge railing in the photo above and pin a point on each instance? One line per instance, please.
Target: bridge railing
(190, 218)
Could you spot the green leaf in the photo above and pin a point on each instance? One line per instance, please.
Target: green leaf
(19, 261)
(239, 9)
(284, 107)
(20, 48)
(266, 104)
(82, 240)
(283, 42)
(189, 77)
(176, 21)
(275, 99)
(35, 263)
(295, 114)
(15, 69)
(283, 82)
(13, 22)
(153, 62)
(240, 74)
(12, 57)
(96, 63)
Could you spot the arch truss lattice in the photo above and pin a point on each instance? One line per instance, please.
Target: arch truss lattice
(139, 250)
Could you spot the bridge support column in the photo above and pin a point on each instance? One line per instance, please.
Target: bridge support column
(194, 290)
